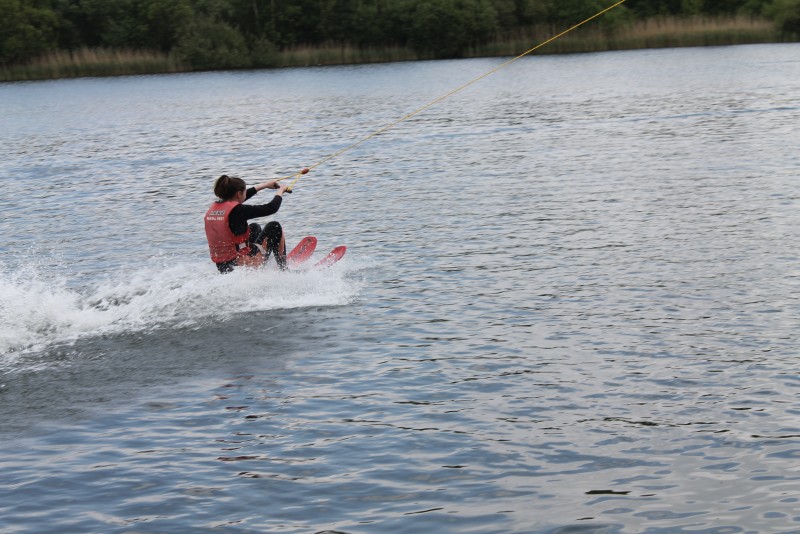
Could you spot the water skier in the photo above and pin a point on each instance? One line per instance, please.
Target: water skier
(231, 240)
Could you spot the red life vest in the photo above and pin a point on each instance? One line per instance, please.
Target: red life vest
(222, 243)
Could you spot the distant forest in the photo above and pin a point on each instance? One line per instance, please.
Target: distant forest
(249, 33)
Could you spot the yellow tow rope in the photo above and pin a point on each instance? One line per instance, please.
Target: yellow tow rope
(304, 171)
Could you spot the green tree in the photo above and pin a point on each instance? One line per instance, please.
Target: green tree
(506, 13)
(25, 30)
(206, 43)
(262, 53)
(652, 8)
(216, 9)
(446, 28)
(368, 19)
(692, 7)
(754, 7)
(335, 21)
(113, 23)
(721, 7)
(532, 11)
(786, 14)
(566, 12)
(145, 24)
(164, 21)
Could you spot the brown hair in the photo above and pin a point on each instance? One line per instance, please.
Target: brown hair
(226, 186)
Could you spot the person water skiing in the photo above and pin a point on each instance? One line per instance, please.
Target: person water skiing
(231, 240)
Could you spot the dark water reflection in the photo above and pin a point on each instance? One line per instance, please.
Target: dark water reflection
(569, 302)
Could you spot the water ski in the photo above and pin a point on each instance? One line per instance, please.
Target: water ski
(332, 257)
(302, 252)
(306, 247)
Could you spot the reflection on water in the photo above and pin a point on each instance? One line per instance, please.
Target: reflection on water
(569, 300)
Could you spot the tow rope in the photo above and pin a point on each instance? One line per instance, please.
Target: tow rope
(301, 173)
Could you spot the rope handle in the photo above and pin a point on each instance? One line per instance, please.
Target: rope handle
(298, 174)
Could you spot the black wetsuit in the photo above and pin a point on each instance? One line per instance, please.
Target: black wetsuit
(270, 236)
(244, 212)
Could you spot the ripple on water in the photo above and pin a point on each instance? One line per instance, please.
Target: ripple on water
(559, 311)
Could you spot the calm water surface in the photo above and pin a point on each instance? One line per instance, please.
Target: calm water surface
(569, 302)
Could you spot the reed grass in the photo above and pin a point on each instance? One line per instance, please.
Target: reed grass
(337, 54)
(652, 33)
(663, 32)
(92, 62)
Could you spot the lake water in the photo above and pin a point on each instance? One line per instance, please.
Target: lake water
(569, 301)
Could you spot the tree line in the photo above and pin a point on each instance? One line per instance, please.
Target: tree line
(248, 33)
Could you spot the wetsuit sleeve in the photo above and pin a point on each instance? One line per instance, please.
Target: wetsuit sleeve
(244, 212)
(260, 210)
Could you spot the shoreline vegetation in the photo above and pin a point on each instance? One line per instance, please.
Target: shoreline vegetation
(655, 32)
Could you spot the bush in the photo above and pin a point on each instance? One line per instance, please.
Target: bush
(447, 28)
(25, 31)
(786, 14)
(263, 53)
(206, 43)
